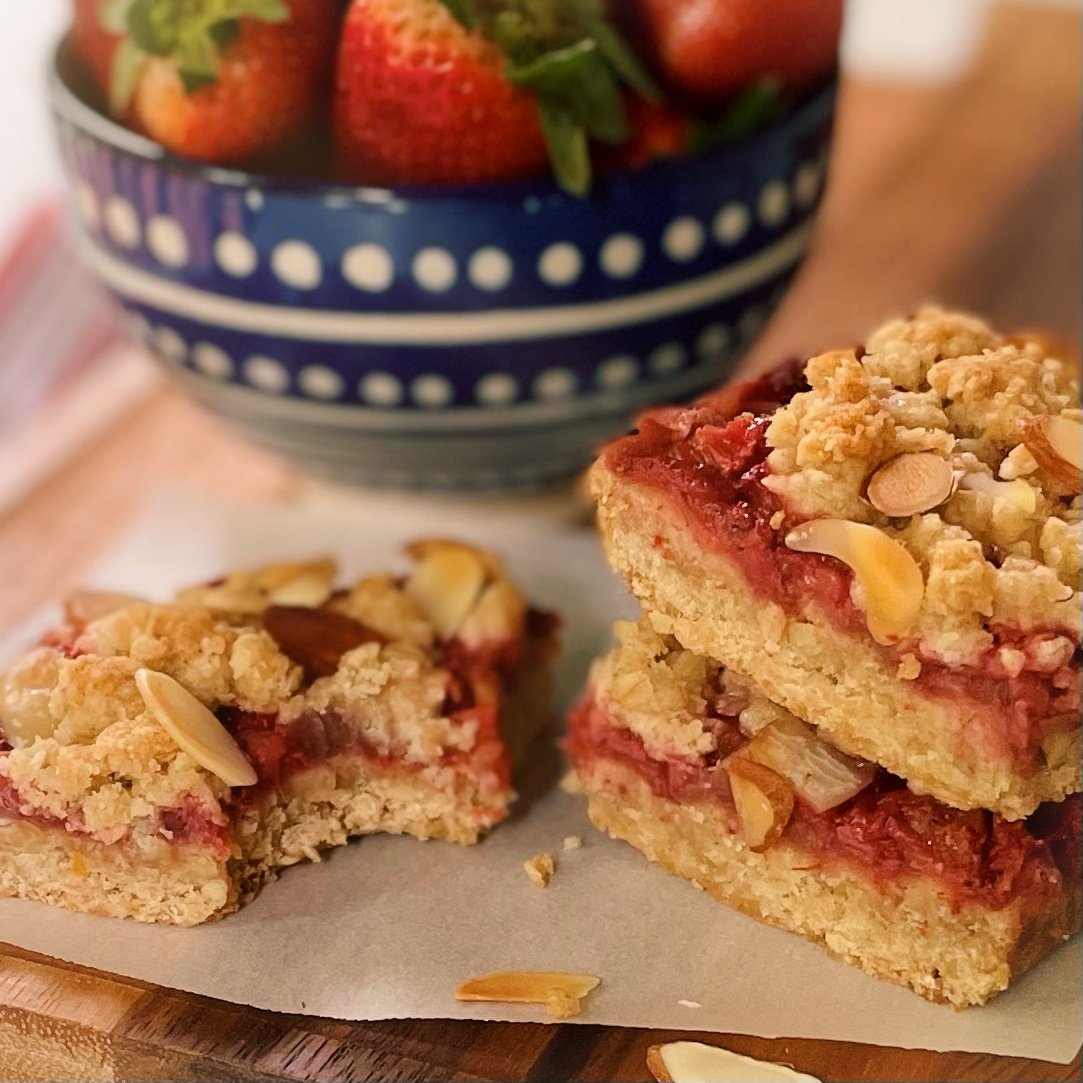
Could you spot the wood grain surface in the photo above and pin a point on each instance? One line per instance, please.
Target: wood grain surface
(969, 193)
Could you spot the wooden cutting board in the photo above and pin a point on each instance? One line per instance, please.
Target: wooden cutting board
(60, 1022)
(967, 192)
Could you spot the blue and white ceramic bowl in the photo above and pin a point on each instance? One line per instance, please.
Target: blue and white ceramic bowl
(448, 338)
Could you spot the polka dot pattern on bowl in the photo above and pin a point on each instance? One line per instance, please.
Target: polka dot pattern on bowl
(372, 268)
(167, 241)
(432, 391)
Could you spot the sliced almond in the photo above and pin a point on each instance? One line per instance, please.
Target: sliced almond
(554, 989)
(888, 575)
(194, 727)
(83, 607)
(274, 577)
(911, 484)
(764, 801)
(424, 547)
(821, 775)
(244, 601)
(24, 697)
(312, 588)
(1057, 445)
(496, 617)
(695, 1062)
(446, 584)
(316, 639)
(1018, 492)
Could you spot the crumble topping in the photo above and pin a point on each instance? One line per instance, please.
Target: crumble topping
(385, 608)
(655, 690)
(834, 807)
(672, 699)
(992, 554)
(89, 752)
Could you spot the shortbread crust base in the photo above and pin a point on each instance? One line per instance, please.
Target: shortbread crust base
(840, 683)
(905, 934)
(187, 883)
(171, 883)
(323, 806)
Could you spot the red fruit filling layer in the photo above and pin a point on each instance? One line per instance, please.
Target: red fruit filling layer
(885, 831)
(711, 464)
(280, 750)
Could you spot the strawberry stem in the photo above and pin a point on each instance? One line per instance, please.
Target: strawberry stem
(571, 58)
(192, 33)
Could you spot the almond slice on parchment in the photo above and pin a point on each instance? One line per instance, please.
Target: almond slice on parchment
(562, 993)
(195, 729)
(888, 575)
(695, 1062)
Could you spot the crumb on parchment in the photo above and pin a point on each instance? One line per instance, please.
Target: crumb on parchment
(540, 869)
(573, 842)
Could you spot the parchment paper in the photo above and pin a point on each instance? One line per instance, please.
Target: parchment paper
(388, 927)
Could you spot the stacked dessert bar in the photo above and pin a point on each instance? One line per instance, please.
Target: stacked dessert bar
(852, 706)
(164, 761)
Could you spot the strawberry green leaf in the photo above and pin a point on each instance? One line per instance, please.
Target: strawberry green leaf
(463, 11)
(128, 64)
(153, 26)
(224, 34)
(113, 15)
(263, 11)
(569, 150)
(577, 80)
(615, 49)
(574, 62)
(194, 33)
(197, 62)
(751, 110)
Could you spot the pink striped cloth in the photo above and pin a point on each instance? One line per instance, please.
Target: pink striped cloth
(54, 317)
(66, 374)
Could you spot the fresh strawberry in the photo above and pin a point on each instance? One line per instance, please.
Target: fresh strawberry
(659, 131)
(94, 42)
(465, 91)
(709, 50)
(221, 80)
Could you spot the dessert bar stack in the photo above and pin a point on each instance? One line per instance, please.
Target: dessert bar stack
(852, 705)
(164, 761)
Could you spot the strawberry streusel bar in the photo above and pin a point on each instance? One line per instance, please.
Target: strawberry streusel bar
(716, 783)
(164, 761)
(886, 543)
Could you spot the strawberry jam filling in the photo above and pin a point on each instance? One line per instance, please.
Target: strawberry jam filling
(710, 461)
(191, 822)
(279, 750)
(476, 677)
(886, 832)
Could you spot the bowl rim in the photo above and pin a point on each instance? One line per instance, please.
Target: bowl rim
(66, 104)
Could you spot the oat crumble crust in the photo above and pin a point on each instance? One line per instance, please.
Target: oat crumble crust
(911, 932)
(946, 383)
(109, 764)
(656, 689)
